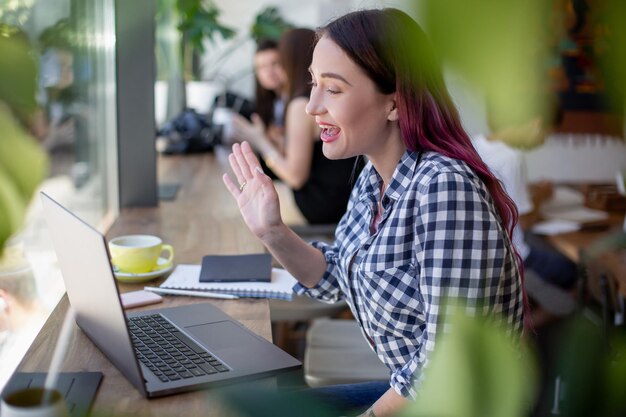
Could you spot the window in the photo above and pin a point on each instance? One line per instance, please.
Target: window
(76, 125)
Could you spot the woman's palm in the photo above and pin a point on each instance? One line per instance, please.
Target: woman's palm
(255, 195)
(259, 206)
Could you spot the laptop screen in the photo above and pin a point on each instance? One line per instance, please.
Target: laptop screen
(84, 261)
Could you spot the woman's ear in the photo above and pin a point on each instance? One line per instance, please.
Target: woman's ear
(392, 116)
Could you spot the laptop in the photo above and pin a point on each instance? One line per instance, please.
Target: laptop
(161, 351)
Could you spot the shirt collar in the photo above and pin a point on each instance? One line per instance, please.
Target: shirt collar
(400, 180)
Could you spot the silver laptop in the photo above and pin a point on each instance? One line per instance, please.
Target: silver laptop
(161, 351)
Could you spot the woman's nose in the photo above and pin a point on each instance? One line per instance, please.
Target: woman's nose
(314, 106)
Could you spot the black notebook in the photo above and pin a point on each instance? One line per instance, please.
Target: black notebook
(255, 267)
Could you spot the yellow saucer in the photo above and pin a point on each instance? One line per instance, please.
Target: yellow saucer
(129, 277)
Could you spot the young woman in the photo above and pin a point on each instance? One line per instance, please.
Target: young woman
(321, 187)
(270, 86)
(426, 221)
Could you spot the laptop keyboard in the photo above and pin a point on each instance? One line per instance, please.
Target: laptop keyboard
(167, 352)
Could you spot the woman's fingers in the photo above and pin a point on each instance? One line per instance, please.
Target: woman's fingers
(244, 164)
(230, 185)
(242, 127)
(232, 159)
(251, 160)
(245, 171)
(258, 122)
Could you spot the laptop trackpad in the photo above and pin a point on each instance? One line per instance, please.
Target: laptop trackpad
(221, 335)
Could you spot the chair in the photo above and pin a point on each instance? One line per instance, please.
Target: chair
(601, 285)
(288, 316)
(551, 298)
(337, 353)
(290, 319)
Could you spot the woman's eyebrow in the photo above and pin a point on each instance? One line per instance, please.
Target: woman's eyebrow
(332, 75)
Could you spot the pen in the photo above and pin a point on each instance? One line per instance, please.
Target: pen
(204, 294)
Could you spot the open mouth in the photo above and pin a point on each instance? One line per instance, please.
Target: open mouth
(329, 133)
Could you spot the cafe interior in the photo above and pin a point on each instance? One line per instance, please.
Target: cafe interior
(130, 129)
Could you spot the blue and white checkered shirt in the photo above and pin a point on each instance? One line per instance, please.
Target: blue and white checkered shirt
(440, 237)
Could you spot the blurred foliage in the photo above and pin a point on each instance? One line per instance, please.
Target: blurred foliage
(613, 47)
(18, 71)
(15, 12)
(477, 370)
(60, 35)
(507, 49)
(582, 398)
(252, 401)
(592, 370)
(199, 22)
(498, 46)
(22, 163)
(616, 376)
(269, 24)
(22, 167)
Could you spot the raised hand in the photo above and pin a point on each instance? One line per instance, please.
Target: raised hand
(254, 132)
(255, 195)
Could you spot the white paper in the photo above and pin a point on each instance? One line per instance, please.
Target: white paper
(568, 205)
(555, 227)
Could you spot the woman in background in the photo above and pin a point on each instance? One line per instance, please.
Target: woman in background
(269, 90)
(427, 221)
(321, 187)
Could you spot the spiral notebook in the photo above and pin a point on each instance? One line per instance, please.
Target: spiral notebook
(187, 277)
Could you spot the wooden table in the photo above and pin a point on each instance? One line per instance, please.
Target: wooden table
(613, 263)
(203, 219)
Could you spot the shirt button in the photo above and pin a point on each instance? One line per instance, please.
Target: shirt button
(385, 200)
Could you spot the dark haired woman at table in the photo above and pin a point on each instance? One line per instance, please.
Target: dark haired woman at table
(321, 187)
(426, 221)
(269, 90)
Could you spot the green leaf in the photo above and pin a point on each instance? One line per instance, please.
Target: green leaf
(585, 380)
(12, 209)
(21, 159)
(476, 370)
(20, 67)
(500, 48)
(617, 378)
(200, 18)
(22, 167)
(612, 50)
(269, 24)
(255, 401)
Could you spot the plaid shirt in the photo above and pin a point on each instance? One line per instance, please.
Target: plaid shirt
(440, 236)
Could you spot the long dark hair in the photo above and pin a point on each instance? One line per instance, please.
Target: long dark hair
(394, 52)
(264, 98)
(296, 53)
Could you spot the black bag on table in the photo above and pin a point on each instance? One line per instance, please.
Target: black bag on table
(188, 132)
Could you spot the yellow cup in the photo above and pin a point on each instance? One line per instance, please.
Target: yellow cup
(139, 254)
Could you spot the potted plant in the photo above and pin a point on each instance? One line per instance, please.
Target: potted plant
(268, 24)
(195, 22)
